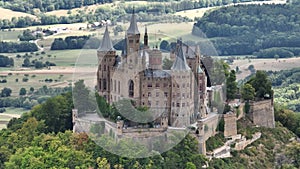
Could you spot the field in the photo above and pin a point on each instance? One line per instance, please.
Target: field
(264, 64)
(8, 14)
(9, 114)
(9, 35)
(201, 11)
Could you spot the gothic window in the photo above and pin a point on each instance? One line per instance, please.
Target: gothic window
(131, 88)
(100, 84)
(104, 84)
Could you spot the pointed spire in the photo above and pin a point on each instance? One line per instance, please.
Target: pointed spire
(146, 38)
(180, 61)
(133, 29)
(106, 44)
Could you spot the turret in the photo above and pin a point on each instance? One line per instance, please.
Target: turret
(132, 36)
(106, 58)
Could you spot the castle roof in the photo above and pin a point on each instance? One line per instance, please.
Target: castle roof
(106, 44)
(180, 61)
(157, 73)
(133, 29)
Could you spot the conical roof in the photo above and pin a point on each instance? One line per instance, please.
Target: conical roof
(133, 29)
(106, 44)
(180, 61)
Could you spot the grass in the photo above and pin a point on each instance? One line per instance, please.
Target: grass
(15, 111)
(8, 14)
(9, 35)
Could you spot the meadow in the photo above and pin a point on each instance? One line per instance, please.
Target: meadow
(264, 64)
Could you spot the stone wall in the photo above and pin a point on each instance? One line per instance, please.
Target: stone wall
(240, 145)
(262, 113)
(230, 128)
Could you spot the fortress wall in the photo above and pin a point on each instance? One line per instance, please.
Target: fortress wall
(262, 113)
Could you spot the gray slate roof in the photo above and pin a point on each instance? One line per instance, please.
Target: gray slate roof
(106, 44)
(180, 61)
(133, 29)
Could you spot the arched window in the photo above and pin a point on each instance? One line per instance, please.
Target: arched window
(131, 88)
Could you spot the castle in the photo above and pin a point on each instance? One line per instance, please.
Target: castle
(178, 96)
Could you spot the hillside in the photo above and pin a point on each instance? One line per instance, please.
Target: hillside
(267, 31)
(275, 148)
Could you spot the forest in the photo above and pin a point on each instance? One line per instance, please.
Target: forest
(146, 12)
(287, 89)
(262, 30)
(12, 47)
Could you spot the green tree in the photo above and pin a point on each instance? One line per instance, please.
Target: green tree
(167, 64)
(6, 92)
(231, 86)
(22, 91)
(248, 92)
(261, 84)
(26, 63)
(190, 165)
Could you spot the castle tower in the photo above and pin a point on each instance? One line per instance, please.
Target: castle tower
(202, 92)
(182, 109)
(106, 60)
(132, 36)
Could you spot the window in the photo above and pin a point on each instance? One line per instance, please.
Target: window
(157, 94)
(119, 87)
(137, 41)
(177, 104)
(104, 84)
(100, 81)
(166, 94)
(149, 94)
(183, 95)
(130, 41)
(149, 84)
(131, 88)
(104, 67)
(157, 103)
(149, 103)
(183, 104)
(165, 85)
(115, 83)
